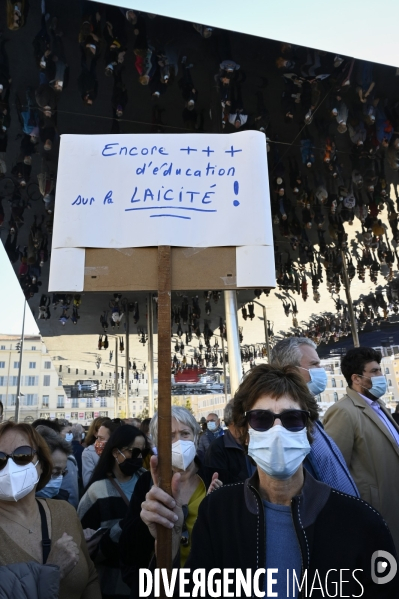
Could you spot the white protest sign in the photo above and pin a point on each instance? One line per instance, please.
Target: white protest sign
(116, 191)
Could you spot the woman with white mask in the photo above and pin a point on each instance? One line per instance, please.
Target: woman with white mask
(281, 519)
(39, 529)
(139, 527)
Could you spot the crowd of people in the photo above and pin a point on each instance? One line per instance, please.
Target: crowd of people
(274, 488)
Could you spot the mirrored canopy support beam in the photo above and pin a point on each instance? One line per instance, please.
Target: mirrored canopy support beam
(233, 340)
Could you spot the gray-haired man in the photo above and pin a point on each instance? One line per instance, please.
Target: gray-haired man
(213, 432)
(325, 461)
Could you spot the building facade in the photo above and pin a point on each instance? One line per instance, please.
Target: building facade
(42, 394)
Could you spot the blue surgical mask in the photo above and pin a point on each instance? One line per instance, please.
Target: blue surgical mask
(211, 425)
(318, 380)
(69, 437)
(278, 452)
(52, 488)
(378, 385)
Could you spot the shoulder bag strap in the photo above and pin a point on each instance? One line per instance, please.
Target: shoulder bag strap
(117, 487)
(46, 542)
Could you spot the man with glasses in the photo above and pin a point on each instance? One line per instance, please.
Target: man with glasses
(367, 434)
(325, 461)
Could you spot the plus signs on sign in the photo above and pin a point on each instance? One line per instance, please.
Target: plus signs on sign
(232, 151)
(208, 151)
(188, 150)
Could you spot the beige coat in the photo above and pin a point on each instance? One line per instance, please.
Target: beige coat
(371, 453)
(82, 581)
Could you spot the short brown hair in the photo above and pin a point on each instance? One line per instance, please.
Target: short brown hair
(36, 442)
(266, 379)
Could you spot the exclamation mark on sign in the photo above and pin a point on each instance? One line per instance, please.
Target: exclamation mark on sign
(236, 190)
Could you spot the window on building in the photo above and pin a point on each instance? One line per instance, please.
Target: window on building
(31, 381)
(45, 401)
(33, 347)
(335, 396)
(341, 383)
(389, 383)
(89, 403)
(74, 415)
(30, 399)
(103, 402)
(32, 364)
(47, 365)
(2, 364)
(60, 401)
(89, 415)
(60, 414)
(46, 380)
(386, 370)
(75, 402)
(59, 382)
(2, 346)
(45, 415)
(16, 364)
(3, 381)
(105, 414)
(12, 398)
(333, 383)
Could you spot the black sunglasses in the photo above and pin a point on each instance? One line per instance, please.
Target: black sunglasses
(21, 456)
(136, 452)
(263, 420)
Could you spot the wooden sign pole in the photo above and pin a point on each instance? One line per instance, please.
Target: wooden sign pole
(164, 535)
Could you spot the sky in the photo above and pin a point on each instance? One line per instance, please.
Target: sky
(355, 28)
(12, 302)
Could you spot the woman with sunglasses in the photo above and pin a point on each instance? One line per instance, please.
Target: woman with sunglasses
(39, 530)
(106, 502)
(282, 518)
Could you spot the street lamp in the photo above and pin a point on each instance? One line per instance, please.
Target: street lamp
(115, 374)
(21, 351)
(266, 329)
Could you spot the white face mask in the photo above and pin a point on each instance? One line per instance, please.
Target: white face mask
(211, 425)
(278, 451)
(17, 481)
(69, 437)
(183, 454)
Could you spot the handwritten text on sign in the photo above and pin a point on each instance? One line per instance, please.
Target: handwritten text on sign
(143, 190)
